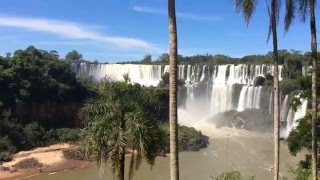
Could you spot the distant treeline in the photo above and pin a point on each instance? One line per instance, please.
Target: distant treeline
(284, 55)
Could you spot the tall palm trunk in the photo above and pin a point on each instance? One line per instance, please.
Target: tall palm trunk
(276, 102)
(122, 165)
(122, 157)
(173, 58)
(314, 88)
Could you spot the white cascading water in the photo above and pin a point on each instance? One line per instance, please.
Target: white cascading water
(294, 116)
(284, 108)
(209, 89)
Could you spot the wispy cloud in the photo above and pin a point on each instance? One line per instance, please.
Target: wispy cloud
(73, 31)
(187, 16)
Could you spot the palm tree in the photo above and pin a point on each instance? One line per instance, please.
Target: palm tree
(173, 116)
(117, 119)
(248, 7)
(305, 7)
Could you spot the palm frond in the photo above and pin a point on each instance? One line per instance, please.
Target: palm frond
(118, 117)
(238, 5)
(303, 9)
(269, 27)
(290, 14)
(142, 132)
(277, 14)
(247, 7)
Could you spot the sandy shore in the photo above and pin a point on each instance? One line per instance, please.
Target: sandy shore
(51, 157)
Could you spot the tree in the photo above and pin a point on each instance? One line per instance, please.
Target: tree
(8, 54)
(173, 115)
(118, 118)
(305, 7)
(147, 59)
(74, 56)
(164, 58)
(248, 7)
(54, 53)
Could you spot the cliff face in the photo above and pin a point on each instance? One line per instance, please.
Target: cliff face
(50, 114)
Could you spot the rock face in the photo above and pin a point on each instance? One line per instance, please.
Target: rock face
(202, 142)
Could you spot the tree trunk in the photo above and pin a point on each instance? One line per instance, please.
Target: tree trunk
(314, 88)
(122, 166)
(173, 117)
(276, 102)
(123, 151)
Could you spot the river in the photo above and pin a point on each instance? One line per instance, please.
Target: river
(250, 153)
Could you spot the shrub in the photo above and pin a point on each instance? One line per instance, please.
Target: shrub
(51, 137)
(289, 85)
(232, 175)
(189, 138)
(35, 134)
(67, 134)
(6, 149)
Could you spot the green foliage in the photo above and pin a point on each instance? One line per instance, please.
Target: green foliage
(35, 134)
(74, 56)
(121, 117)
(300, 137)
(232, 175)
(67, 134)
(164, 58)
(289, 85)
(147, 59)
(189, 139)
(38, 76)
(6, 149)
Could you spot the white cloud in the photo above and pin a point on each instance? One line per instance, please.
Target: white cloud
(145, 9)
(187, 16)
(72, 30)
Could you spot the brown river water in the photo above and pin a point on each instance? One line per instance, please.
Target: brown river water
(250, 153)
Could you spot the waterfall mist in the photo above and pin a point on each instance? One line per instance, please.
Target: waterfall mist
(208, 90)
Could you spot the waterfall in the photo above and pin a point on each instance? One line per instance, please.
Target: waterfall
(243, 98)
(208, 88)
(294, 116)
(203, 75)
(284, 109)
(270, 102)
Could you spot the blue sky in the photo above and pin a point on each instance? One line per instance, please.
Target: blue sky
(118, 30)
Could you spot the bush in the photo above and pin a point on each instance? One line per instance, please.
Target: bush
(232, 175)
(51, 137)
(35, 135)
(67, 134)
(5, 156)
(6, 149)
(189, 138)
(289, 85)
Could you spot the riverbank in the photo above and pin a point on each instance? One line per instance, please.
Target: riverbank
(50, 157)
